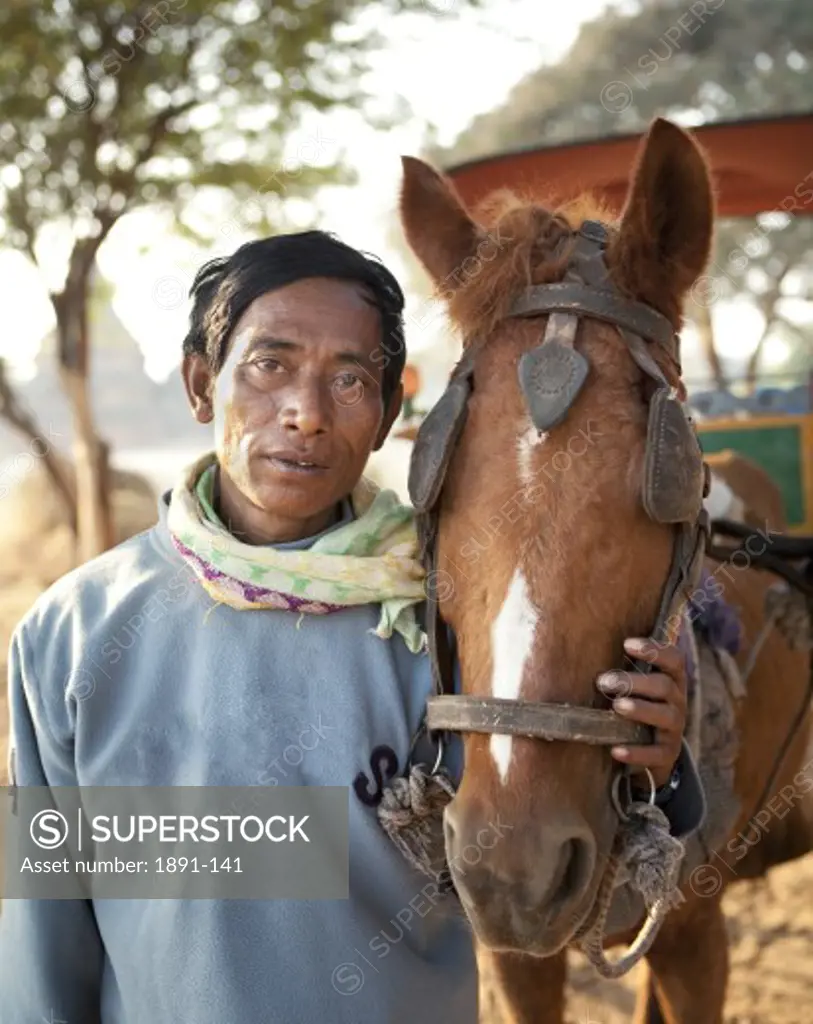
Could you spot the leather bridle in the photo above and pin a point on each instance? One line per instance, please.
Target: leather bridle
(675, 482)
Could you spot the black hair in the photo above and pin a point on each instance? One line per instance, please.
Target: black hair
(225, 287)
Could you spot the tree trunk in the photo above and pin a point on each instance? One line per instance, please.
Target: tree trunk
(94, 513)
(701, 315)
(752, 369)
(24, 421)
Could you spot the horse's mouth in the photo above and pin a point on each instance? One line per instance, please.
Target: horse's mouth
(509, 926)
(514, 928)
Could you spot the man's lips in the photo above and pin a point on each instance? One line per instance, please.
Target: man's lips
(296, 462)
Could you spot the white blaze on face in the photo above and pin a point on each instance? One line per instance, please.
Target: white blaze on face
(526, 442)
(512, 634)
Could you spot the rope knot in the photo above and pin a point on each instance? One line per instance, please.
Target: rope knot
(647, 856)
(411, 813)
(651, 854)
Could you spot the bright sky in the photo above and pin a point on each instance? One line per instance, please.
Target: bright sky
(483, 53)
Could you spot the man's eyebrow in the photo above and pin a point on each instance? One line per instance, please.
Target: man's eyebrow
(269, 343)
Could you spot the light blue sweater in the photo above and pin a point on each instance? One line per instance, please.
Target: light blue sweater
(118, 676)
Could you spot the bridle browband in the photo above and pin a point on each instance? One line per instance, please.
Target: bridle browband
(675, 482)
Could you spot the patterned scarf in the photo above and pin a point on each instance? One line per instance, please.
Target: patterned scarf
(373, 559)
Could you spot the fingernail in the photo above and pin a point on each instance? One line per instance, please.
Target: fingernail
(623, 704)
(611, 682)
(620, 751)
(639, 648)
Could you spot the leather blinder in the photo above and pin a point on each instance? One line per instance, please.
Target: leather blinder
(674, 477)
(435, 443)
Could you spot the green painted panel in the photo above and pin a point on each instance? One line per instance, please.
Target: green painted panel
(777, 449)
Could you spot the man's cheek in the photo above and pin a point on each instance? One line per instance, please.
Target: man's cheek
(363, 425)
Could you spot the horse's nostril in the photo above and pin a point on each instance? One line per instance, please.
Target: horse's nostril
(574, 875)
(559, 883)
(573, 871)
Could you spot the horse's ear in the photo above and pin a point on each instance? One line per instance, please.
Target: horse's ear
(436, 224)
(667, 225)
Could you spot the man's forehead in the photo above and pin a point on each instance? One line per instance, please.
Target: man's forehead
(308, 315)
(293, 325)
(315, 294)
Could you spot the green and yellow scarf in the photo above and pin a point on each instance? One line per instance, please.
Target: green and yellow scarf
(371, 560)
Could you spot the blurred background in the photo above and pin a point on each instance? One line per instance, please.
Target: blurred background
(139, 140)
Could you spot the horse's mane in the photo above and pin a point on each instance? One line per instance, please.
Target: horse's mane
(523, 243)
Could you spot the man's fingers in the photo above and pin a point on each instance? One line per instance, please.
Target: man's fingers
(655, 685)
(668, 657)
(657, 756)
(661, 716)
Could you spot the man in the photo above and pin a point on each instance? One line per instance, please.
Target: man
(175, 660)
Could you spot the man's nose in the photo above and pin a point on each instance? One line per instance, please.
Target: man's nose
(307, 410)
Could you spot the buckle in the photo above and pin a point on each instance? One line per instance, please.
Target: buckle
(594, 231)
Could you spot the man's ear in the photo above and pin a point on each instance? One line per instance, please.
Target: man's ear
(199, 385)
(390, 416)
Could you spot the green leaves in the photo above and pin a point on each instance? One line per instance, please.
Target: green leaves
(143, 101)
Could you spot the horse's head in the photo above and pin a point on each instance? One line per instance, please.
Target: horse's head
(557, 520)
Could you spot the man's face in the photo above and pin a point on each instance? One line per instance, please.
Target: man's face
(297, 407)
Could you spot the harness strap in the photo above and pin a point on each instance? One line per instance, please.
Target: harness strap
(440, 650)
(585, 300)
(458, 713)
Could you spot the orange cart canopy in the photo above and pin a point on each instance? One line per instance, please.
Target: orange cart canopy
(759, 165)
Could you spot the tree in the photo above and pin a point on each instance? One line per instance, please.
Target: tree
(24, 421)
(699, 62)
(106, 107)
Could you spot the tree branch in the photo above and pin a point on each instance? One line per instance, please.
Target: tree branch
(25, 423)
(158, 130)
(767, 306)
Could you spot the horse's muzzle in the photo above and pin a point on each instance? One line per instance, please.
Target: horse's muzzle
(527, 892)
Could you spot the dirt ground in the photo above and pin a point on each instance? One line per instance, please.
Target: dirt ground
(770, 922)
(770, 925)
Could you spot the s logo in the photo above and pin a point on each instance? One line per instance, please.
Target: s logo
(382, 757)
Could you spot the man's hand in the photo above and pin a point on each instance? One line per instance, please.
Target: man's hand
(657, 699)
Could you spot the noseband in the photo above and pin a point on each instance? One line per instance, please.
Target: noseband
(675, 481)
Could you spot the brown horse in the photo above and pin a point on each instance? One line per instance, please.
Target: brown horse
(541, 591)
(760, 500)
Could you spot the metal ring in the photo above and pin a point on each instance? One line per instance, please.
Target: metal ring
(653, 789)
(439, 758)
(616, 797)
(423, 730)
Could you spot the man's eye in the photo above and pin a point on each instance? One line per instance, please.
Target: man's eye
(349, 380)
(271, 365)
